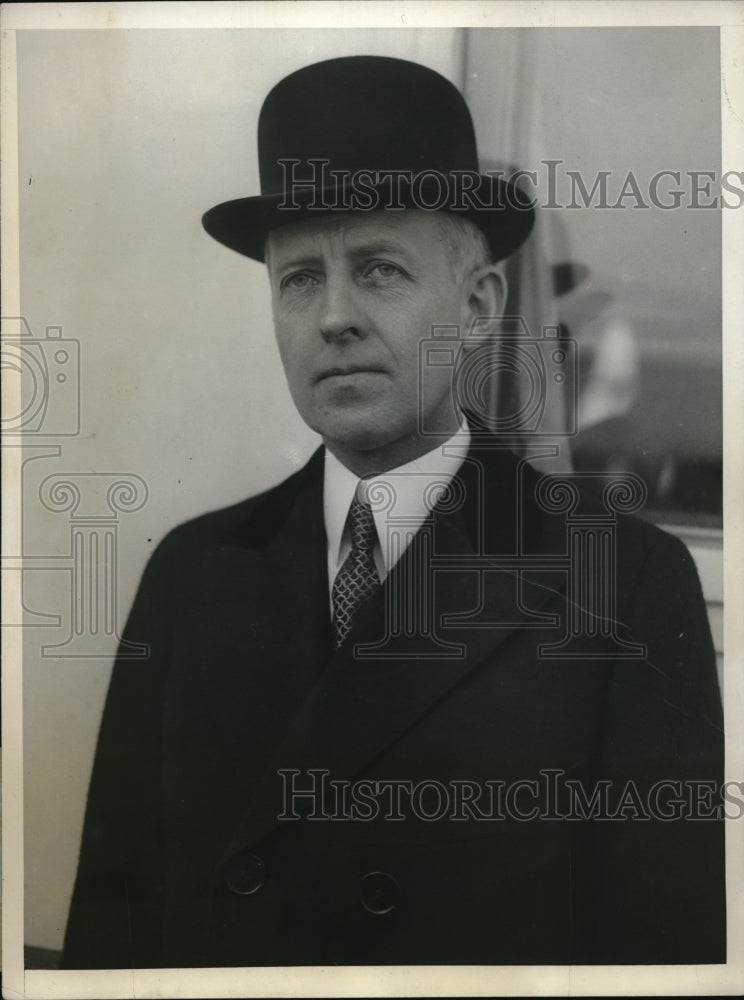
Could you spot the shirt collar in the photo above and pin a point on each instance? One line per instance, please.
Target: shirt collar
(339, 485)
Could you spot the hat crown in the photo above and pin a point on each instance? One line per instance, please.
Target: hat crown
(331, 134)
(370, 113)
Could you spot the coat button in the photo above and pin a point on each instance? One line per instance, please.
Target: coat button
(244, 873)
(379, 893)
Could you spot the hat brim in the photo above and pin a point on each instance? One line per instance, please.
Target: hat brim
(498, 207)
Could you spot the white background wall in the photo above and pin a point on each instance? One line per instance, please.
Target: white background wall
(126, 138)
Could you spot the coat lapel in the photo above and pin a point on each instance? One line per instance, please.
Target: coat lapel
(265, 619)
(387, 676)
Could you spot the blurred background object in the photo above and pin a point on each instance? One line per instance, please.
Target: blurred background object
(638, 288)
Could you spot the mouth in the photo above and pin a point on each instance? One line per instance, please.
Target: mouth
(348, 370)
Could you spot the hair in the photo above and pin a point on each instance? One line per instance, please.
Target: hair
(465, 244)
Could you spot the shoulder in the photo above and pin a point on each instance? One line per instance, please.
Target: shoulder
(647, 557)
(555, 504)
(657, 576)
(602, 518)
(249, 520)
(646, 544)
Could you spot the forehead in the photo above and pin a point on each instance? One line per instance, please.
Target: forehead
(415, 233)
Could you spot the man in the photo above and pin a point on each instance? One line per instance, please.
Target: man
(385, 718)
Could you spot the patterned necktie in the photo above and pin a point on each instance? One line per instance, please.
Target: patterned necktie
(357, 579)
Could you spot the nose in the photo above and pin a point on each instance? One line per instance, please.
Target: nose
(340, 316)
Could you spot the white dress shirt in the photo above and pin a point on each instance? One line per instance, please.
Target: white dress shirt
(400, 499)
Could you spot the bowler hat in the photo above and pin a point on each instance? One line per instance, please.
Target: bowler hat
(362, 133)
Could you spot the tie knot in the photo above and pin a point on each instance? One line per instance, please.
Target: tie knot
(361, 523)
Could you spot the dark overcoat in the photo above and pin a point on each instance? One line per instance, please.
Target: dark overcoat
(193, 854)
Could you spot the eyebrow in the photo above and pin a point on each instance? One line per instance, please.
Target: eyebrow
(308, 260)
(382, 247)
(371, 249)
(379, 246)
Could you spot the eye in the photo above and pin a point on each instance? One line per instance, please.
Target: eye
(382, 269)
(298, 281)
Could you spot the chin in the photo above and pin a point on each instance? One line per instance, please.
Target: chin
(358, 426)
(362, 435)
(362, 440)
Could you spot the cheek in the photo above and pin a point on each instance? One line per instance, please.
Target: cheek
(283, 348)
(417, 334)
(288, 340)
(436, 381)
(293, 364)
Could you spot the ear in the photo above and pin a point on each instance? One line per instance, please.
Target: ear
(484, 296)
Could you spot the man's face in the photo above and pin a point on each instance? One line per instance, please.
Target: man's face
(353, 297)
